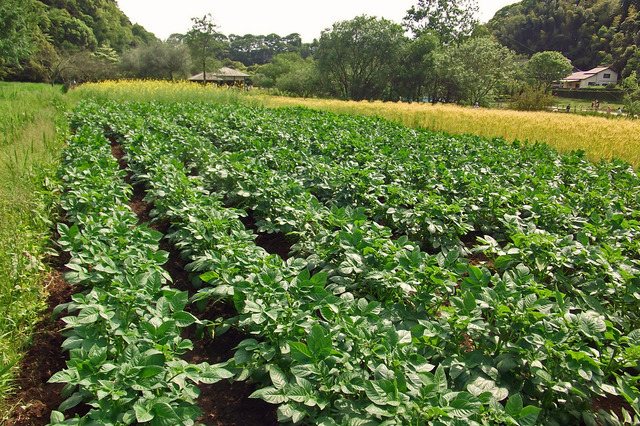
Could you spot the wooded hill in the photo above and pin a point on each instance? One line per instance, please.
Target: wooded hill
(60, 28)
(589, 32)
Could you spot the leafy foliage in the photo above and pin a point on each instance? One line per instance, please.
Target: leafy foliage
(359, 56)
(431, 278)
(15, 41)
(450, 21)
(123, 336)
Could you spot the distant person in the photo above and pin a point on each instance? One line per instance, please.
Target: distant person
(569, 108)
(619, 110)
(476, 105)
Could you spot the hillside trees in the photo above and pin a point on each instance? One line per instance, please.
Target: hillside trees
(15, 42)
(261, 49)
(417, 72)
(590, 33)
(358, 57)
(481, 66)
(49, 39)
(289, 72)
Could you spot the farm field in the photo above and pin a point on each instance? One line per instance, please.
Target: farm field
(379, 274)
(336, 269)
(600, 137)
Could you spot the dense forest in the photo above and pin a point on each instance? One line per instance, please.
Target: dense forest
(589, 32)
(64, 31)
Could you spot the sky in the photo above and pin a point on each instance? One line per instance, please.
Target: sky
(260, 17)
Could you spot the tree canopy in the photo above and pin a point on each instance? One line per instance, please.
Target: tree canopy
(359, 56)
(449, 20)
(38, 37)
(15, 27)
(546, 67)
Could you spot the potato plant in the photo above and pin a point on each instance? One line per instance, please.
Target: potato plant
(431, 279)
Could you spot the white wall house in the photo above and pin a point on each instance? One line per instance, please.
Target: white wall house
(600, 76)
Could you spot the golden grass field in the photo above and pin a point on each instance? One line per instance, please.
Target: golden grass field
(601, 137)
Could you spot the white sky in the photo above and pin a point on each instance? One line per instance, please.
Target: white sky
(259, 17)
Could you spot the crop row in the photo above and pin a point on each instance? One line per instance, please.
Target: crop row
(123, 328)
(325, 355)
(423, 337)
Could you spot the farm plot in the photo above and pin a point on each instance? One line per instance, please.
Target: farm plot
(421, 277)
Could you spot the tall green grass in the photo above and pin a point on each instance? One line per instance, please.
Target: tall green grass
(32, 129)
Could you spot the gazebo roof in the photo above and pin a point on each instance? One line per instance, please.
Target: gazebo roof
(224, 73)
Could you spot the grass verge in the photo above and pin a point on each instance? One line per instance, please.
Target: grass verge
(33, 128)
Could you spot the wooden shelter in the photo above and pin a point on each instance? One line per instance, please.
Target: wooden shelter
(224, 75)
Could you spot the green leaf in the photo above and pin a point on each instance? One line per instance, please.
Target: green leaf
(71, 402)
(184, 319)
(212, 374)
(270, 395)
(142, 413)
(590, 323)
(382, 392)
(440, 379)
(634, 338)
(288, 412)
(278, 378)
(56, 417)
(64, 376)
(469, 302)
(514, 405)
(529, 416)
(465, 405)
(300, 352)
(153, 357)
(377, 411)
(476, 273)
(166, 415)
(179, 301)
(150, 371)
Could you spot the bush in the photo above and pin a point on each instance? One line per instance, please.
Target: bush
(532, 99)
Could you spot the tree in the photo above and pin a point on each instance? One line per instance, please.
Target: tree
(546, 67)
(417, 68)
(267, 74)
(15, 30)
(160, 60)
(302, 80)
(358, 57)
(481, 66)
(450, 20)
(632, 95)
(204, 41)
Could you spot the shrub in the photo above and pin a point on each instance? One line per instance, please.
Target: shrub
(532, 99)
